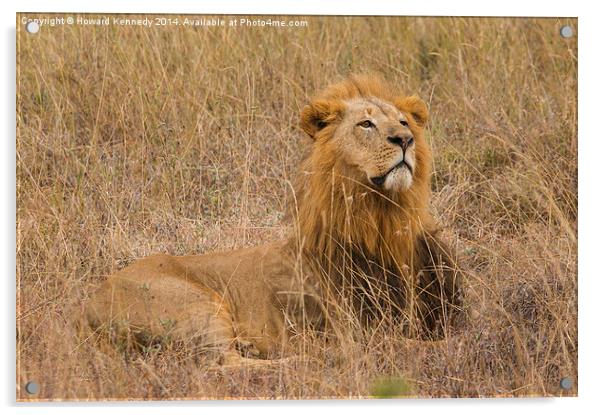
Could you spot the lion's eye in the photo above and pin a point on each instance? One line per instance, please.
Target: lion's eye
(404, 123)
(366, 124)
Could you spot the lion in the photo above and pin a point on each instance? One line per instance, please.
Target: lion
(362, 236)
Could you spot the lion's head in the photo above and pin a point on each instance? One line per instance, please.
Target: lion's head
(366, 180)
(376, 133)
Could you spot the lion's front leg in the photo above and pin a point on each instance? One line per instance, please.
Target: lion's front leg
(438, 287)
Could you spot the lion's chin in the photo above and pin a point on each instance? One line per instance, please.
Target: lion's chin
(399, 180)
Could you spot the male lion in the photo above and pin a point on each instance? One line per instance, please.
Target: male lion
(363, 240)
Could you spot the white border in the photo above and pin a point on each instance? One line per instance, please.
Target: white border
(590, 199)
(551, 8)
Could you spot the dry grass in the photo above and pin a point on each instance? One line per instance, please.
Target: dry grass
(133, 141)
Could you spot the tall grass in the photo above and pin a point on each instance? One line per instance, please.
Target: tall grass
(132, 141)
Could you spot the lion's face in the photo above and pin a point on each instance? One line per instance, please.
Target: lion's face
(375, 138)
(378, 141)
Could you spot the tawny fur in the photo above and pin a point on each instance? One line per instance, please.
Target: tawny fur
(351, 242)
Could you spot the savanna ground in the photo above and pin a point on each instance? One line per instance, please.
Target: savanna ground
(132, 141)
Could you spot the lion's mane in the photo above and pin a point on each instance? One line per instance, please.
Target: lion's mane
(380, 248)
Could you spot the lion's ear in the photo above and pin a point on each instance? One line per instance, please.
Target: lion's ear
(317, 115)
(416, 108)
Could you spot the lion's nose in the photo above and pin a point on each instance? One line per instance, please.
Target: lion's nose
(403, 141)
